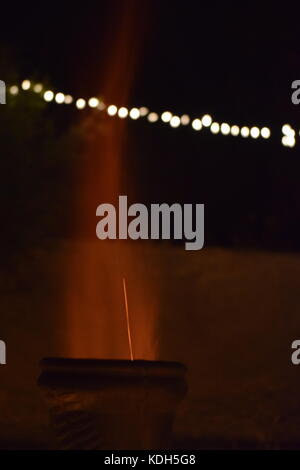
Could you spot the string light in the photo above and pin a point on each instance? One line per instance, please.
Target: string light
(288, 138)
(101, 106)
(134, 113)
(59, 98)
(245, 131)
(225, 128)
(68, 99)
(265, 132)
(288, 141)
(93, 102)
(37, 88)
(215, 128)
(25, 85)
(152, 117)
(144, 111)
(123, 112)
(14, 90)
(80, 103)
(175, 121)
(185, 120)
(286, 129)
(197, 125)
(166, 116)
(235, 130)
(48, 96)
(112, 110)
(254, 132)
(206, 120)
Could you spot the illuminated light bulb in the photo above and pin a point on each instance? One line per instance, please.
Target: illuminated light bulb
(254, 132)
(123, 112)
(101, 105)
(197, 124)
(134, 113)
(175, 121)
(235, 130)
(59, 98)
(291, 141)
(225, 128)
(80, 103)
(245, 131)
(215, 128)
(38, 88)
(48, 95)
(93, 102)
(112, 110)
(206, 120)
(185, 119)
(25, 84)
(265, 132)
(153, 117)
(286, 129)
(166, 116)
(290, 132)
(14, 90)
(144, 111)
(288, 141)
(68, 99)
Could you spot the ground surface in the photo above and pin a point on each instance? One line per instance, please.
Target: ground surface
(230, 316)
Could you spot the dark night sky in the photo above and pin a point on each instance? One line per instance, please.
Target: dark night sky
(235, 62)
(228, 59)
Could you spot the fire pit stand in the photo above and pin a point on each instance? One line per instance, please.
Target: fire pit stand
(112, 404)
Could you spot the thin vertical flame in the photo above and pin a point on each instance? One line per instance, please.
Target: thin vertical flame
(127, 319)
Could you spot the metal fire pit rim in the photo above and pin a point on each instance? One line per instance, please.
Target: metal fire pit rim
(49, 362)
(60, 372)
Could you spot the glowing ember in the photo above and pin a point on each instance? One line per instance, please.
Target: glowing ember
(127, 319)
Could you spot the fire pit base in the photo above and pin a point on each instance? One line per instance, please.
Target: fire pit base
(112, 404)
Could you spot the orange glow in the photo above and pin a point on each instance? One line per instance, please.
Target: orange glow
(127, 319)
(94, 324)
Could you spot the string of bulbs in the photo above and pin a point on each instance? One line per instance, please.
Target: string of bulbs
(288, 133)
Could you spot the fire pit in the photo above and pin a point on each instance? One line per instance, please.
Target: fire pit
(112, 404)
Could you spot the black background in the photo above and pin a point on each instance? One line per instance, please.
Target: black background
(233, 61)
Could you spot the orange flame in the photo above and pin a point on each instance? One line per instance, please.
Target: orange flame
(92, 324)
